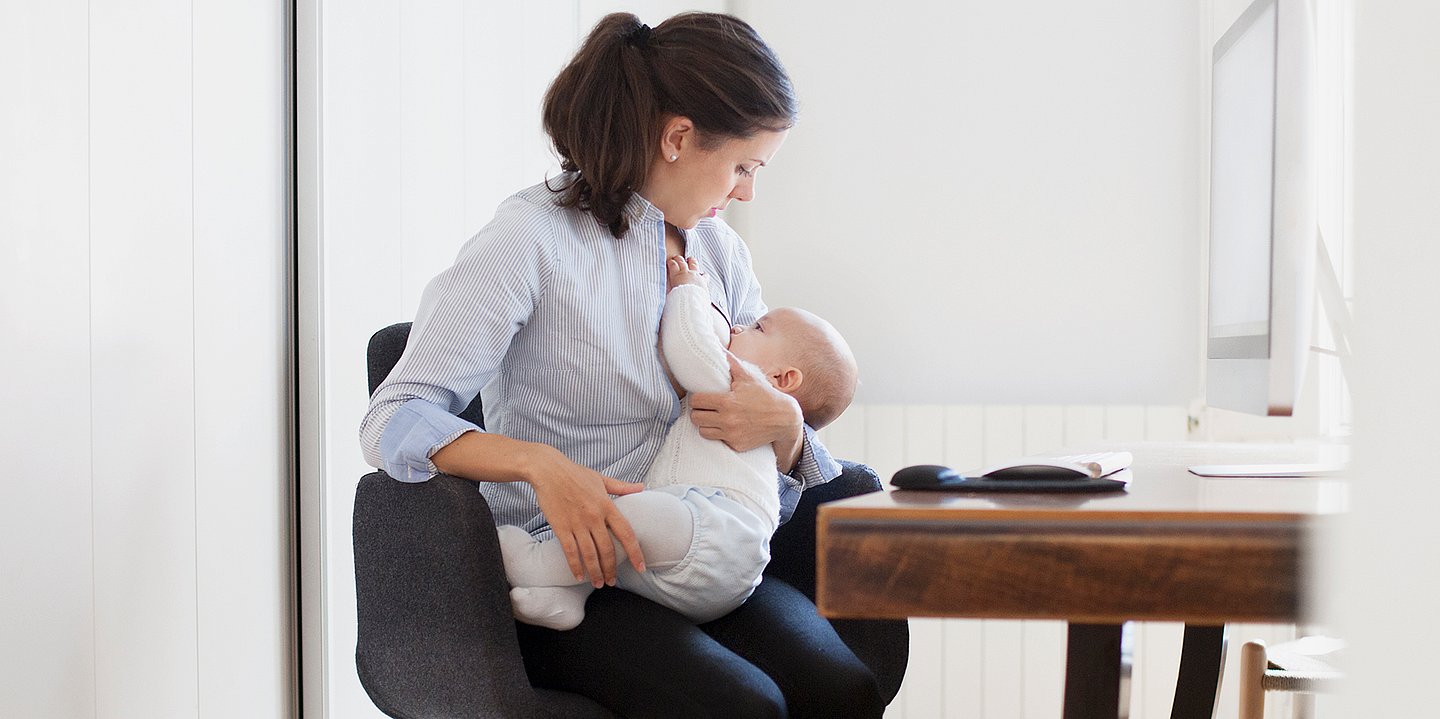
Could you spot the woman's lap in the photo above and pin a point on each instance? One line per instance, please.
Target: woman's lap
(774, 656)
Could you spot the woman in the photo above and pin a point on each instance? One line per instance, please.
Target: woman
(552, 312)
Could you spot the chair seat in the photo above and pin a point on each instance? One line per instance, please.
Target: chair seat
(1303, 665)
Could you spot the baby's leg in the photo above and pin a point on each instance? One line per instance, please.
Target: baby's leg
(663, 525)
(545, 593)
(661, 522)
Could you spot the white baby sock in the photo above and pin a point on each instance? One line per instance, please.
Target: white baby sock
(544, 592)
(557, 608)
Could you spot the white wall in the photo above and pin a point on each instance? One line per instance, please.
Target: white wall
(144, 535)
(1388, 577)
(421, 118)
(994, 201)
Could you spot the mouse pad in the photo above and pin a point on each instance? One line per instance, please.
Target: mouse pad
(981, 484)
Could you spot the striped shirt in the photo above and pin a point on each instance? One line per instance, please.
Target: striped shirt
(554, 323)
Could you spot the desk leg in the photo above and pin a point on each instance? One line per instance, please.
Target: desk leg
(1202, 661)
(1092, 671)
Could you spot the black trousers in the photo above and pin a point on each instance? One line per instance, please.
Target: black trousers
(775, 656)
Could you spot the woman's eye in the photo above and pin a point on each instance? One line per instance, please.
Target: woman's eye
(744, 172)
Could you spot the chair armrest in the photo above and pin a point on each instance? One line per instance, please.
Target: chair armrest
(883, 645)
(436, 634)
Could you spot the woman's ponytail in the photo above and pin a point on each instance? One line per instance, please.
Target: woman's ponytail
(604, 111)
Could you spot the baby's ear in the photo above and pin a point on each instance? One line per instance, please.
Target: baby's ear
(787, 379)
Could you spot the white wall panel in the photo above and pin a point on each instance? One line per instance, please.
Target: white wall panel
(923, 692)
(242, 352)
(144, 284)
(1124, 423)
(885, 439)
(965, 437)
(363, 287)
(1044, 428)
(845, 437)
(1043, 642)
(46, 619)
(432, 135)
(495, 111)
(551, 33)
(1084, 424)
(964, 659)
(963, 653)
(1004, 641)
(142, 334)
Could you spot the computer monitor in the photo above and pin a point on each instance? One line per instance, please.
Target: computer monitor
(1263, 220)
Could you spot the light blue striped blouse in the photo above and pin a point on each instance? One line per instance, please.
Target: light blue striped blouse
(555, 324)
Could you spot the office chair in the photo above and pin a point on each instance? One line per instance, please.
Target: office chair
(436, 635)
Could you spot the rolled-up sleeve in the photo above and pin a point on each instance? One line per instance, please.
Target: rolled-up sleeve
(815, 466)
(416, 431)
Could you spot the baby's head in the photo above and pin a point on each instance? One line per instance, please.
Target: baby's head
(804, 357)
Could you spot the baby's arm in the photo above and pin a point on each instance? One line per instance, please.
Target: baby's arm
(693, 336)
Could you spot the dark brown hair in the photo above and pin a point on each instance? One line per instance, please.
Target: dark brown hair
(604, 112)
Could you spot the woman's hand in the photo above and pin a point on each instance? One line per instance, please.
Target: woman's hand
(576, 503)
(752, 414)
(575, 499)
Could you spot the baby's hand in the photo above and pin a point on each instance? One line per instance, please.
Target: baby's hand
(682, 271)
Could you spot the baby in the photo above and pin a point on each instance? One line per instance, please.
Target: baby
(706, 521)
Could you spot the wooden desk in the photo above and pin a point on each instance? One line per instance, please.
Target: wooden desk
(1175, 547)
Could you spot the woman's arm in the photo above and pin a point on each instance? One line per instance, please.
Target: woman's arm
(467, 318)
(752, 413)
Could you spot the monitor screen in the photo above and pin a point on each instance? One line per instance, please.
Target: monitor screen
(1262, 209)
(1242, 160)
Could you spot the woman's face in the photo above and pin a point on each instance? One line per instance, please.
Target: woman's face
(699, 182)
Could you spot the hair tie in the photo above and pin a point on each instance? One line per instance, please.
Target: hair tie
(639, 37)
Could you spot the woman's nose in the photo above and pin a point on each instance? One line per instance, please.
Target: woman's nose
(744, 190)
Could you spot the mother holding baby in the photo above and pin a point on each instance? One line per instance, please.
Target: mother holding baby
(551, 313)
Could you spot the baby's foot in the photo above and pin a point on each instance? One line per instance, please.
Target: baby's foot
(515, 546)
(557, 608)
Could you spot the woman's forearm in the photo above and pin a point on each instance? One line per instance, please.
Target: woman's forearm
(487, 457)
(787, 450)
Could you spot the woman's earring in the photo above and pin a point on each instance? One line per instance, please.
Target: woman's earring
(674, 158)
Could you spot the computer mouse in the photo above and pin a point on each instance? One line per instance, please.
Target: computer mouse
(925, 476)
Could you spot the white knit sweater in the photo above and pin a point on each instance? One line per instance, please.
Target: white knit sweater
(693, 339)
